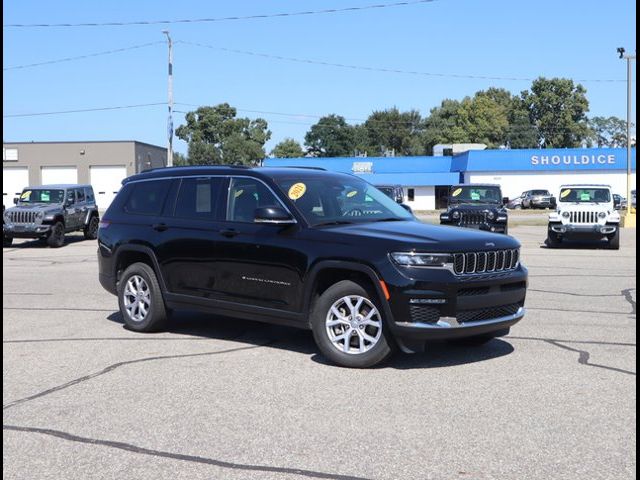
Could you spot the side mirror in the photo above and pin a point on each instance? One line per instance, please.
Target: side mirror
(15, 200)
(505, 200)
(273, 215)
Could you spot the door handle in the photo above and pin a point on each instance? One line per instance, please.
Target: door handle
(230, 233)
(160, 227)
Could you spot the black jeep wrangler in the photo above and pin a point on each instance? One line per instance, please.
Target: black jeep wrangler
(305, 248)
(477, 206)
(49, 212)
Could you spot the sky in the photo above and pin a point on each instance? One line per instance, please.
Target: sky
(456, 40)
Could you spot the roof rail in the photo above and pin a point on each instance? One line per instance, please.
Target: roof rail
(296, 166)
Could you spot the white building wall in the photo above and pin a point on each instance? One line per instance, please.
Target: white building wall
(424, 198)
(514, 183)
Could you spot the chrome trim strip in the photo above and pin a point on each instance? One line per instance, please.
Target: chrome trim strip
(452, 323)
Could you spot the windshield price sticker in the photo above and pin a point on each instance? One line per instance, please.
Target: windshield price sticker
(297, 190)
(45, 197)
(351, 194)
(585, 197)
(475, 196)
(456, 192)
(25, 195)
(238, 193)
(565, 193)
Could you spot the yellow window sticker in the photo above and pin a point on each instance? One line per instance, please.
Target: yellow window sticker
(565, 193)
(238, 193)
(456, 192)
(297, 190)
(25, 195)
(352, 193)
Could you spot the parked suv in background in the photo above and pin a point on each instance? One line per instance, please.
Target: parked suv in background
(585, 212)
(477, 206)
(538, 199)
(49, 212)
(305, 248)
(394, 192)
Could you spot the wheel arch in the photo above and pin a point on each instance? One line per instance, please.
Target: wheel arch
(129, 254)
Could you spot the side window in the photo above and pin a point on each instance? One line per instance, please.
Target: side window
(245, 195)
(89, 194)
(70, 198)
(197, 198)
(147, 198)
(80, 197)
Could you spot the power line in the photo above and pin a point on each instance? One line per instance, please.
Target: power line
(375, 69)
(221, 19)
(81, 57)
(98, 109)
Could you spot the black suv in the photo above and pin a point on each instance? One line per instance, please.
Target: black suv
(477, 206)
(49, 211)
(394, 192)
(305, 248)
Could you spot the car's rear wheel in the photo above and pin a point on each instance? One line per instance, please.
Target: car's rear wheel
(140, 299)
(91, 229)
(56, 237)
(7, 241)
(349, 328)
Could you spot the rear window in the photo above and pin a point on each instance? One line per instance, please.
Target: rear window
(147, 198)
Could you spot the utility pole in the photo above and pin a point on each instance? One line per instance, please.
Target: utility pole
(170, 102)
(630, 220)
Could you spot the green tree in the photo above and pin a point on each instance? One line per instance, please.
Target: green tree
(558, 110)
(215, 136)
(288, 148)
(394, 130)
(179, 159)
(520, 133)
(443, 126)
(331, 136)
(608, 131)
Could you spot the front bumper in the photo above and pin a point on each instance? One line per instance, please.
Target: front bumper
(443, 305)
(25, 231)
(591, 230)
(487, 227)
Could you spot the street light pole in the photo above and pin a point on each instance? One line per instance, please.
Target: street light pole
(628, 58)
(170, 102)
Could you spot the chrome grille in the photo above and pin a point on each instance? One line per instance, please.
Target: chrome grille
(22, 216)
(583, 217)
(485, 262)
(470, 217)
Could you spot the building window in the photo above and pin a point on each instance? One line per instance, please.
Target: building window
(411, 194)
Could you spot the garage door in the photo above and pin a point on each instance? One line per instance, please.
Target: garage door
(57, 175)
(106, 181)
(14, 179)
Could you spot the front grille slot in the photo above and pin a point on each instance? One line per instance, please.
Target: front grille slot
(485, 262)
(424, 314)
(22, 217)
(469, 292)
(489, 313)
(472, 218)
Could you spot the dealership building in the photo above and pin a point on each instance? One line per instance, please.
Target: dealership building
(102, 164)
(426, 180)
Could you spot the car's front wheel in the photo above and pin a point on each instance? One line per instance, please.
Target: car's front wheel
(140, 299)
(56, 236)
(614, 240)
(349, 327)
(7, 241)
(553, 240)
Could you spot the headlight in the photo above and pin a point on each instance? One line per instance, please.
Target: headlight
(602, 215)
(491, 215)
(566, 214)
(455, 214)
(421, 259)
(39, 215)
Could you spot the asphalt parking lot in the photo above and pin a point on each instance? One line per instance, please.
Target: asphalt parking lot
(219, 398)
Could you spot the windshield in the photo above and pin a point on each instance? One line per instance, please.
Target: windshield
(42, 196)
(540, 192)
(388, 191)
(585, 195)
(338, 199)
(475, 194)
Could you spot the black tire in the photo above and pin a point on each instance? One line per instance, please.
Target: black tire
(614, 240)
(7, 241)
(156, 316)
(553, 241)
(380, 351)
(56, 237)
(91, 229)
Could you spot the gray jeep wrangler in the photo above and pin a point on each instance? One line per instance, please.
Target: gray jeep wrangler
(49, 212)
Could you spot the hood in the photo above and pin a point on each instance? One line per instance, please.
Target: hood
(35, 207)
(413, 235)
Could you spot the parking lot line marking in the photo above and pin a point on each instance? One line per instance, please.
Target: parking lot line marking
(179, 456)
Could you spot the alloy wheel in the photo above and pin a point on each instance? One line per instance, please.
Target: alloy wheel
(137, 298)
(354, 325)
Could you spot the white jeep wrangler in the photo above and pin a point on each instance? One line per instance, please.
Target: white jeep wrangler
(585, 212)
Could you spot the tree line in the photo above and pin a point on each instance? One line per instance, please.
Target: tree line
(551, 114)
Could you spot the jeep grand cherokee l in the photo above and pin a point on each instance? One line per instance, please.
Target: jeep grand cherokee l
(305, 248)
